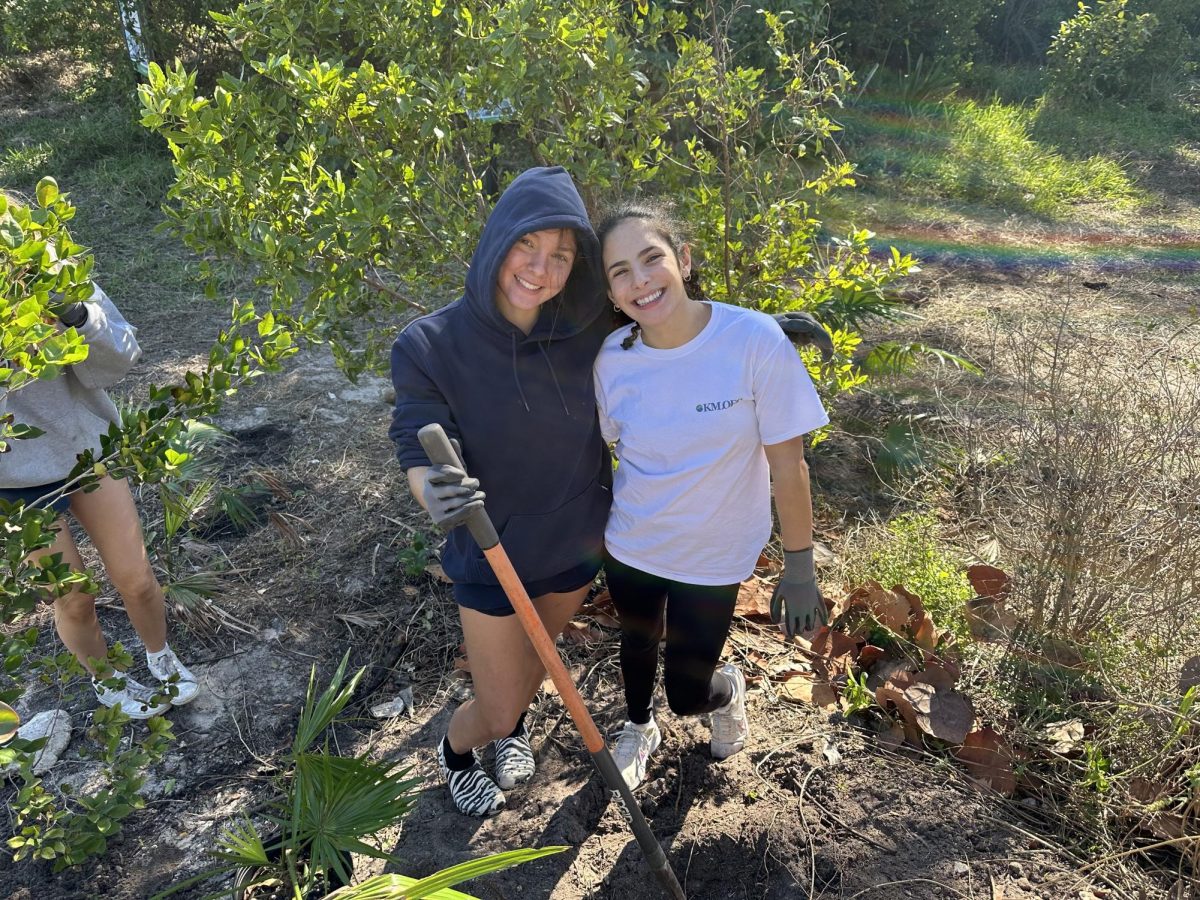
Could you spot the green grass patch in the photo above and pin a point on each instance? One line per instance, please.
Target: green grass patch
(985, 154)
(992, 158)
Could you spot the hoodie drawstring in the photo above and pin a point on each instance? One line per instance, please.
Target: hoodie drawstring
(516, 374)
(554, 376)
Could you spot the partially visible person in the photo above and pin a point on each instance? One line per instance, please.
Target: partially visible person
(73, 410)
(705, 404)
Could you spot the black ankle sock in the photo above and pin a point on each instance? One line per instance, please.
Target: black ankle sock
(456, 762)
(520, 729)
(641, 718)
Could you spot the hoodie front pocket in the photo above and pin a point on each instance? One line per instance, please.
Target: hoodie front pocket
(545, 544)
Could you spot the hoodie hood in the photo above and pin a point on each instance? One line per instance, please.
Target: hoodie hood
(538, 199)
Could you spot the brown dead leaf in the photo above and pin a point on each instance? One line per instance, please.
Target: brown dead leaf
(603, 601)
(946, 715)
(605, 620)
(869, 655)
(754, 600)
(940, 677)
(435, 570)
(1145, 791)
(461, 664)
(988, 620)
(898, 671)
(889, 608)
(804, 687)
(890, 693)
(915, 604)
(988, 758)
(286, 529)
(989, 582)
(925, 634)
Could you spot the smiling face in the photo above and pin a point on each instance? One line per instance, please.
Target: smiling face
(535, 270)
(645, 277)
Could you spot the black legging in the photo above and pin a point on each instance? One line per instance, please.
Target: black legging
(697, 623)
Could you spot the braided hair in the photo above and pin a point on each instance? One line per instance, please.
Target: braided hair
(660, 216)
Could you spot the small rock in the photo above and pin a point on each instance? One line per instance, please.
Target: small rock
(394, 707)
(248, 421)
(55, 726)
(1031, 802)
(960, 869)
(1015, 870)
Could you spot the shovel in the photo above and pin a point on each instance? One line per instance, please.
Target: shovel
(438, 448)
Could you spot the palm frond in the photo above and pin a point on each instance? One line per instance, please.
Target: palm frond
(437, 886)
(241, 845)
(320, 711)
(895, 358)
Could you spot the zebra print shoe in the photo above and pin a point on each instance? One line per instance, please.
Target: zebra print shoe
(472, 790)
(514, 760)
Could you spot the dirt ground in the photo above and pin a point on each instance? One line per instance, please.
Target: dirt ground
(812, 808)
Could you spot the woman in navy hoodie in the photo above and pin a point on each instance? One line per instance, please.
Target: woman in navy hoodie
(506, 370)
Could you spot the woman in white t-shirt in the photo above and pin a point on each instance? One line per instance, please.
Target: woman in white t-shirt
(704, 403)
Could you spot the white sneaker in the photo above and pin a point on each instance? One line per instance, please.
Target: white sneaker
(178, 682)
(133, 698)
(635, 743)
(729, 725)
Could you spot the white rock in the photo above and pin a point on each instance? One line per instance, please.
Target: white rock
(55, 726)
(395, 706)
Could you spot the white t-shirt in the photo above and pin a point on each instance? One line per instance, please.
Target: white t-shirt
(692, 493)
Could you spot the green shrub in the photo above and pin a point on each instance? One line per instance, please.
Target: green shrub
(910, 553)
(1103, 53)
(894, 33)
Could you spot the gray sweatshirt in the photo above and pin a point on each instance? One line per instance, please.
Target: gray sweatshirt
(73, 410)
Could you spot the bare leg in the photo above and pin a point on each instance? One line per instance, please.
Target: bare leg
(110, 518)
(505, 669)
(75, 613)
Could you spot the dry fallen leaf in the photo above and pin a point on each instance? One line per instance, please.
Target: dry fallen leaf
(889, 608)
(602, 601)
(890, 693)
(915, 604)
(754, 599)
(605, 620)
(940, 677)
(869, 655)
(1065, 736)
(988, 758)
(1145, 791)
(989, 582)
(461, 663)
(988, 620)
(946, 715)
(581, 633)
(435, 570)
(803, 687)
(925, 634)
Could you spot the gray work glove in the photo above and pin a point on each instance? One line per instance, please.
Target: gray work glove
(450, 496)
(72, 315)
(796, 604)
(805, 331)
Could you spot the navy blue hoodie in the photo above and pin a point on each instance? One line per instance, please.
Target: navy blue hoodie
(522, 406)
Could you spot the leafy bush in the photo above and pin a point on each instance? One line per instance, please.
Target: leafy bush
(345, 166)
(1104, 53)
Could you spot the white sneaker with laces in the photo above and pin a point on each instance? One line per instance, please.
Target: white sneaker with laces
(174, 676)
(730, 727)
(635, 743)
(133, 698)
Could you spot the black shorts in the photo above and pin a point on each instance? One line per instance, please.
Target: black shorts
(491, 600)
(30, 495)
